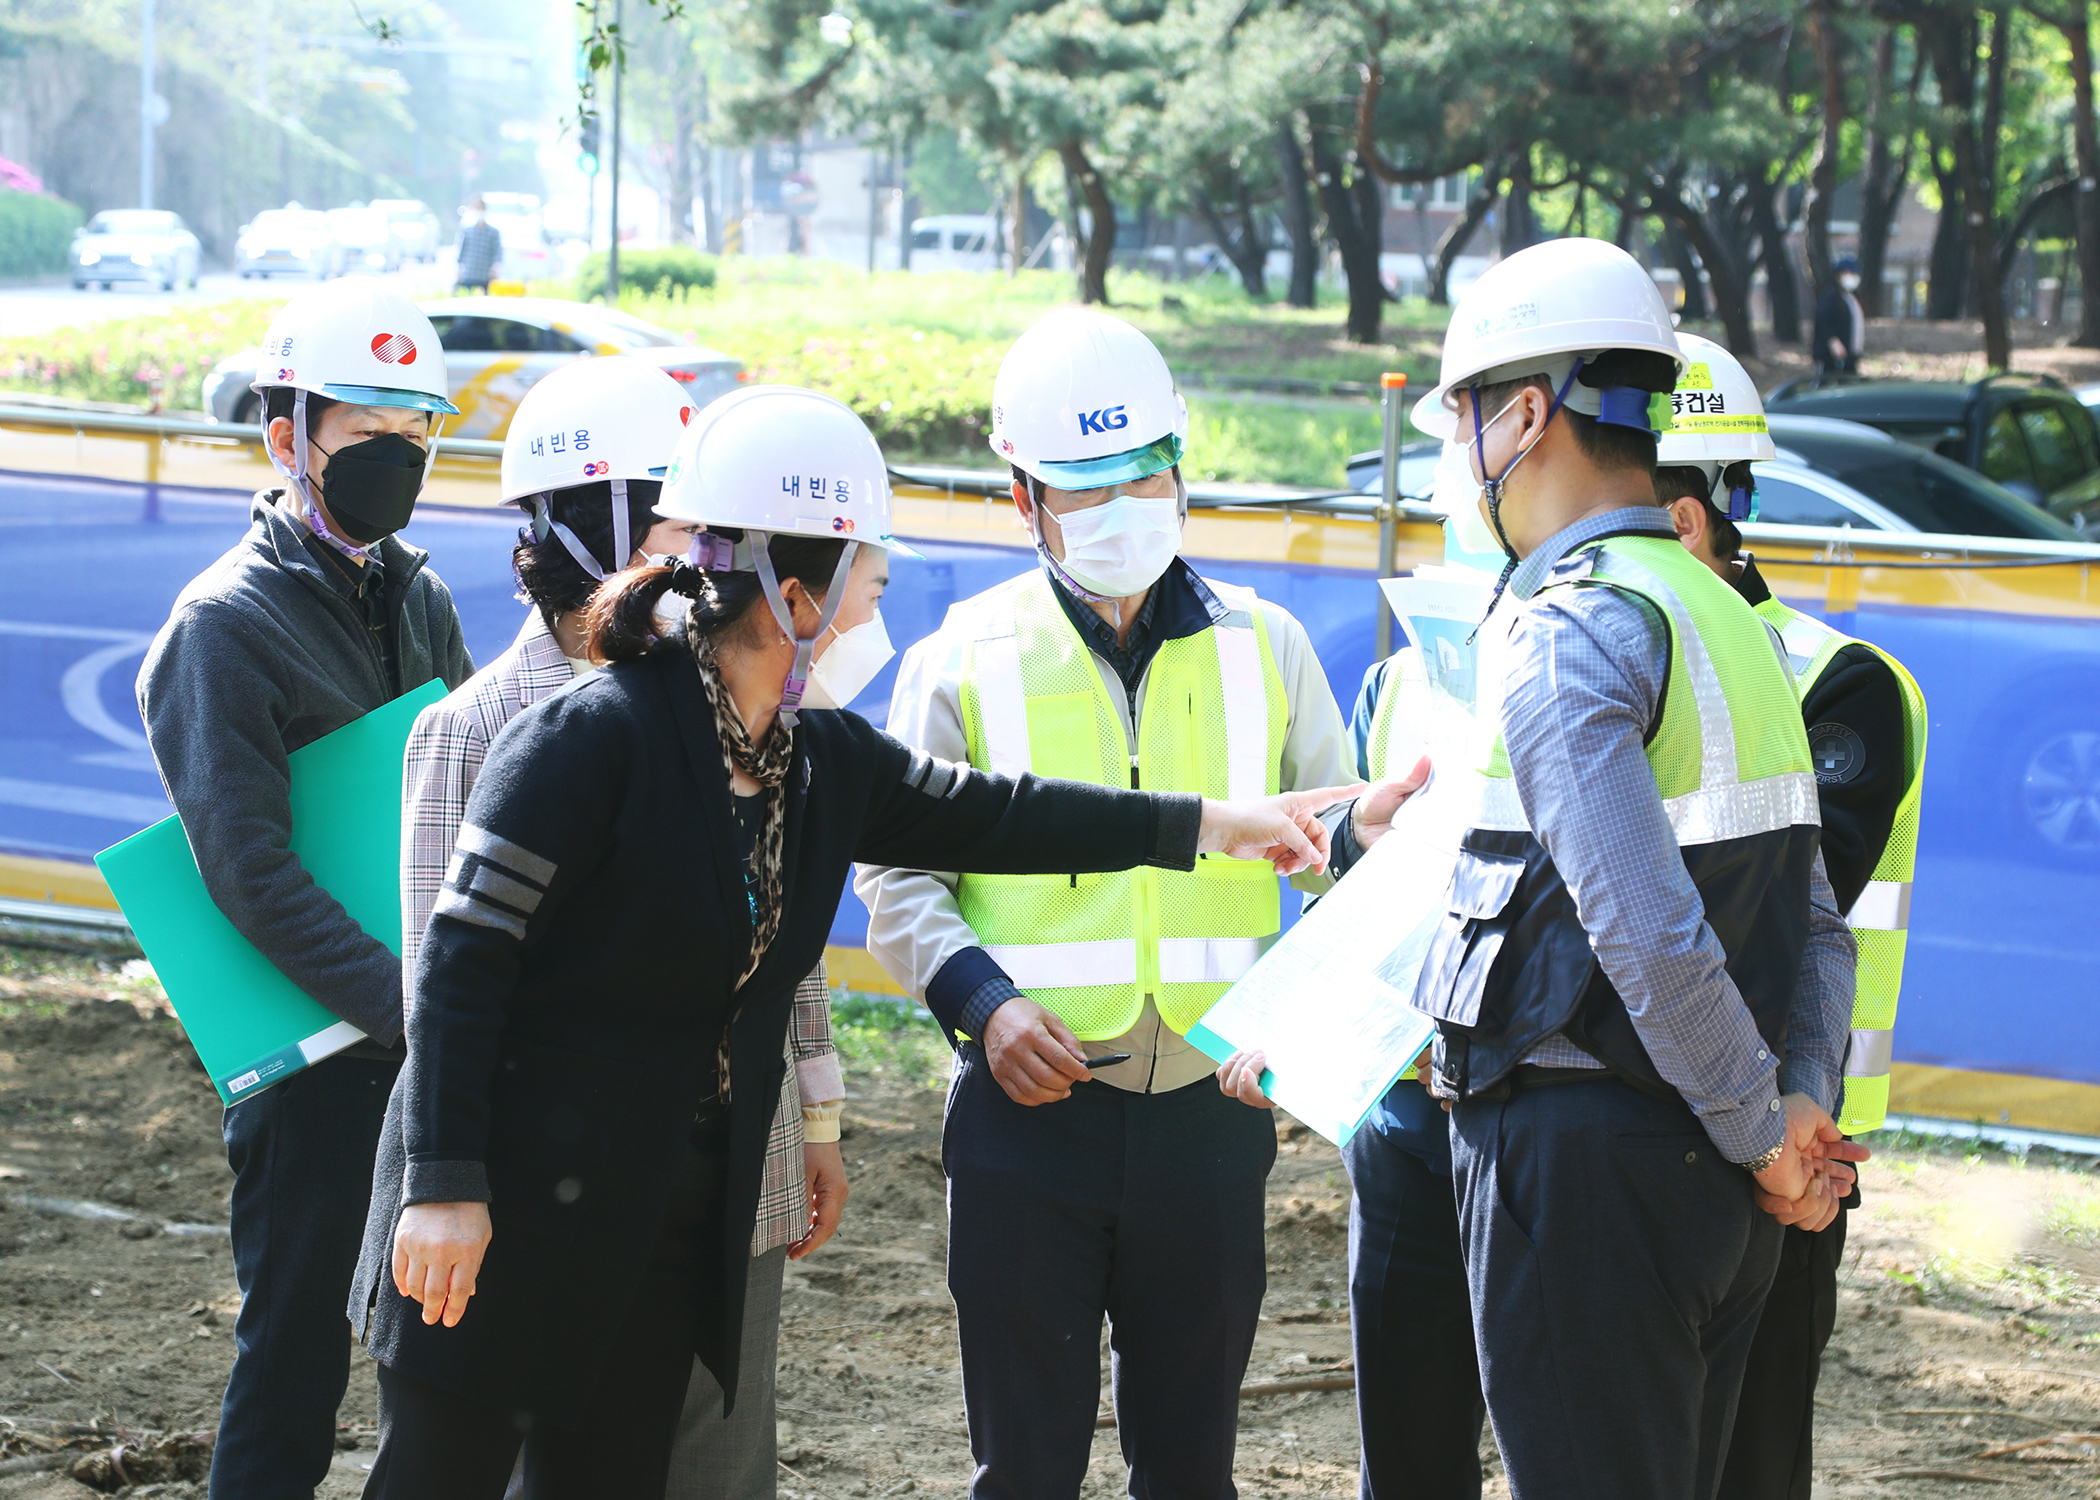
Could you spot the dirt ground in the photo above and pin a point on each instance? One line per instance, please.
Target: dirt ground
(1969, 1318)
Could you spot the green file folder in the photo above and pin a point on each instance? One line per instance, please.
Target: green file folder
(251, 1026)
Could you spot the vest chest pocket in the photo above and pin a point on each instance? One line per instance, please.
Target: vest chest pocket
(1455, 971)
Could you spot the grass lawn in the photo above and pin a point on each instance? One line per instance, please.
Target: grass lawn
(915, 355)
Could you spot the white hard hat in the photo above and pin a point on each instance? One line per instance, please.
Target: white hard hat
(1716, 416)
(1083, 399)
(356, 340)
(1539, 310)
(778, 460)
(783, 460)
(613, 417)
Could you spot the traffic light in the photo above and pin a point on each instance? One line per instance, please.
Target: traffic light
(587, 147)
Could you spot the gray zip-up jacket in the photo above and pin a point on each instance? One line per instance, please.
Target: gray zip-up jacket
(264, 652)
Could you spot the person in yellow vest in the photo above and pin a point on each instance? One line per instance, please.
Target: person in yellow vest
(1130, 1187)
(1866, 732)
(1642, 983)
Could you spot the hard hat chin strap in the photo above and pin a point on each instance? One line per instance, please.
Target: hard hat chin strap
(543, 522)
(805, 646)
(299, 482)
(302, 485)
(1491, 487)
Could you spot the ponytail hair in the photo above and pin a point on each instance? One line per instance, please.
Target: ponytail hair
(623, 620)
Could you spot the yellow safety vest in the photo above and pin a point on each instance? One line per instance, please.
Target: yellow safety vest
(1880, 918)
(1091, 947)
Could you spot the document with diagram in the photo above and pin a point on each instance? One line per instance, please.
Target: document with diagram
(1329, 1003)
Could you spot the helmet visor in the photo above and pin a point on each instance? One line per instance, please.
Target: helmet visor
(378, 395)
(1093, 473)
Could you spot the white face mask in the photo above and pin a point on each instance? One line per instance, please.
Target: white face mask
(1849, 281)
(1454, 490)
(848, 664)
(1120, 547)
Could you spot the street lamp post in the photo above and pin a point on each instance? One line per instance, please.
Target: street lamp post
(147, 100)
(612, 252)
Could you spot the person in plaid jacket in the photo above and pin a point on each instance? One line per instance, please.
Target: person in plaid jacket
(578, 531)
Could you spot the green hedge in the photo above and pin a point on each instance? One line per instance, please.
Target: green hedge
(673, 270)
(36, 230)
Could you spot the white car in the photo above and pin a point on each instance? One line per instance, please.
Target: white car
(148, 245)
(496, 348)
(413, 226)
(285, 239)
(363, 243)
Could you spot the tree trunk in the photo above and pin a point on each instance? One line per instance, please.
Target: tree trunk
(1731, 300)
(1519, 226)
(1101, 240)
(1679, 249)
(2078, 33)
(1822, 177)
(1947, 288)
(1297, 214)
(1883, 177)
(1780, 287)
(1455, 239)
(1953, 44)
(1353, 212)
(1248, 256)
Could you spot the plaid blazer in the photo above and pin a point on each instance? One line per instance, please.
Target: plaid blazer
(445, 751)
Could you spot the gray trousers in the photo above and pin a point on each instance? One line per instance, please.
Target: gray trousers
(733, 1458)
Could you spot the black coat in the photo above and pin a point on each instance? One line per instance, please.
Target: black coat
(1833, 320)
(576, 978)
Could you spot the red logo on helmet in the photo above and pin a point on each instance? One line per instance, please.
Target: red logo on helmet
(841, 523)
(284, 374)
(393, 348)
(596, 468)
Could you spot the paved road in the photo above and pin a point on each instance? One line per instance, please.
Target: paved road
(55, 305)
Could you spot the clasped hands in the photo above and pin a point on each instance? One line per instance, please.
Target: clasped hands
(1814, 1173)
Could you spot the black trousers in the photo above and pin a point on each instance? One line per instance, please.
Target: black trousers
(439, 1444)
(1418, 1402)
(1771, 1455)
(1618, 1267)
(301, 1153)
(1147, 1208)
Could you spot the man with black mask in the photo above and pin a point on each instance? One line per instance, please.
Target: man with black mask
(318, 616)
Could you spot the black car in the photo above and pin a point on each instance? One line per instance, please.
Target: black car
(1831, 473)
(2028, 432)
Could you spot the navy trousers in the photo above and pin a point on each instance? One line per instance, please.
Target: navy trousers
(1618, 1267)
(1145, 1208)
(1418, 1403)
(1771, 1456)
(301, 1154)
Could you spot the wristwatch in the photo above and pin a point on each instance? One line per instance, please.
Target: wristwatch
(1770, 1158)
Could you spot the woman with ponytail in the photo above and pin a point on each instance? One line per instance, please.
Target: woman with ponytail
(630, 415)
(648, 864)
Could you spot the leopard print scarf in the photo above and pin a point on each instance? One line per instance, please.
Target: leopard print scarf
(768, 766)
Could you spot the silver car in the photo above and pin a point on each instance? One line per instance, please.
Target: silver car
(148, 245)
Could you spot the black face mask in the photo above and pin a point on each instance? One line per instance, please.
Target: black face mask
(371, 486)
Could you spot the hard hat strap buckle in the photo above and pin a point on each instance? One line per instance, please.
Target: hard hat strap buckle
(805, 646)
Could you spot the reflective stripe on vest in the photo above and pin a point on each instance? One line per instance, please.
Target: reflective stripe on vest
(1091, 947)
(1880, 918)
(1721, 775)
